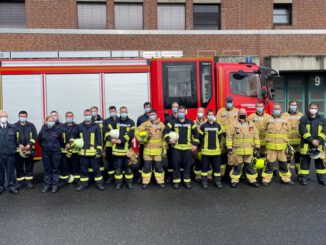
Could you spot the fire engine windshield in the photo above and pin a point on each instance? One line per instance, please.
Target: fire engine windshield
(246, 85)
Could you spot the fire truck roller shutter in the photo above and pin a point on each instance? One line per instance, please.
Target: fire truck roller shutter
(23, 92)
(127, 89)
(72, 92)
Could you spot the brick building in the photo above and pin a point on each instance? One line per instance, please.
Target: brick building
(289, 35)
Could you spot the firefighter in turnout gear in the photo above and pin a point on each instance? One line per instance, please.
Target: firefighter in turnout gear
(312, 129)
(277, 133)
(242, 141)
(91, 151)
(225, 117)
(26, 137)
(69, 169)
(108, 145)
(150, 134)
(293, 115)
(170, 119)
(98, 120)
(210, 134)
(183, 147)
(120, 147)
(200, 120)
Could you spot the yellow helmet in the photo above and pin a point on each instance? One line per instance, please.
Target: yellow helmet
(259, 163)
(144, 136)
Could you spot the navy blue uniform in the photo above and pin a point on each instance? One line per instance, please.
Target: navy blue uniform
(169, 119)
(50, 140)
(8, 144)
(69, 162)
(26, 135)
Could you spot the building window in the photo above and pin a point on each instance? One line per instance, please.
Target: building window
(206, 17)
(171, 17)
(12, 14)
(128, 16)
(91, 15)
(282, 14)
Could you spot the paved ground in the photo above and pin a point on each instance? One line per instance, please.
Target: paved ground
(272, 215)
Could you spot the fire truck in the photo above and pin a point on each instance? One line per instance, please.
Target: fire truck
(42, 85)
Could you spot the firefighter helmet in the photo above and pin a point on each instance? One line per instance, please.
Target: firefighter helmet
(259, 163)
(174, 135)
(314, 153)
(144, 137)
(24, 154)
(77, 143)
(289, 151)
(114, 133)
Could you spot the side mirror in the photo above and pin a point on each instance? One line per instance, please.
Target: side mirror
(272, 93)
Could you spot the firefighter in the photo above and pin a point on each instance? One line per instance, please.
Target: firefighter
(141, 119)
(70, 168)
(200, 120)
(8, 144)
(150, 134)
(242, 141)
(91, 152)
(50, 140)
(55, 115)
(26, 137)
(312, 128)
(170, 119)
(210, 134)
(277, 131)
(120, 147)
(108, 145)
(183, 147)
(225, 117)
(98, 120)
(293, 115)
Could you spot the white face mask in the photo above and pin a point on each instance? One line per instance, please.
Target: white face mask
(4, 120)
(313, 111)
(200, 115)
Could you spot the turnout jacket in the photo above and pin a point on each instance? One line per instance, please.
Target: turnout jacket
(226, 117)
(126, 133)
(169, 119)
(106, 131)
(69, 132)
(91, 134)
(294, 118)
(50, 139)
(259, 121)
(210, 136)
(188, 133)
(26, 134)
(143, 118)
(312, 129)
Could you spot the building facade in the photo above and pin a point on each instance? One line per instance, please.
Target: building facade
(289, 35)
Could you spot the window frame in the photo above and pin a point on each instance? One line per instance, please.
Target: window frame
(201, 65)
(93, 3)
(126, 4)
(22, 2)
(218, 18)
(288, 7)
(171, 4)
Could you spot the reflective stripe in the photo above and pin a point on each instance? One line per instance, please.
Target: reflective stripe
(204, 173)
(83, 179)
(64, 177)
(304, 149)
(217, 174)
(77, 176)
(118, 176)
(64, 137)
(129, 176)
(252, 176)
(287, 174)
(176, 181)
(277, 147)
(320, 171)
(90, 170)
(320, 133)
(111, 172)
(277, 135)
(98, 178)
(20, 179)
(101, 168)
(187, 180)
(304, 172)
(29, 177)
(306, 135)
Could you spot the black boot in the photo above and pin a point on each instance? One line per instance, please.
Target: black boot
(45, 189)
(187, 185)
(217, 182)
(322, 182)
(118, 186)
(204, 184)
(81, 187)
(234, 184)
(30, 185)
(145, 186)
(54, 189)
(176, 186)
(129, 185)
(13, 190)
(19, 185)
(254, 184)
(161, 185)
(99, 186)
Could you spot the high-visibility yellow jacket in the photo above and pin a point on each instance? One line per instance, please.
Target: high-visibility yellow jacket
(277, 133)
(259, 121)
(242, 137)
(226, 117)
(209, 136)
(294, 136)
(156, 144)
(91, 134)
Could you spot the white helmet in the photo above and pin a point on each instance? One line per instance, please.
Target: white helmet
(174, 135)
(114, 133)
(78, 143)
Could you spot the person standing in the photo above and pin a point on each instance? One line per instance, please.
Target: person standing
(50, 140)
(26, 137)
(8, 144)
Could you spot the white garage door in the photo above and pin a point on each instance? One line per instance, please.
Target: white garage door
(72, 92)
(23, 92)
(127, 89)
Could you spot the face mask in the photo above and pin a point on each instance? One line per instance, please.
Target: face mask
(175, 109)
(112, 114)
(88, 118)
(124, 115)
(211, 117)
(69, 120)
(23, 119)
(181, 115)
(260, 110)
(229, 105)
(50, 124)
(200, 114)
(94, 113)
(276, 112)
(152, 118)
(147, 110)
(4, 119)
(243, 117)
(313, 111)
(293, 108)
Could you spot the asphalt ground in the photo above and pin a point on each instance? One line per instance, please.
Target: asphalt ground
(277, 214)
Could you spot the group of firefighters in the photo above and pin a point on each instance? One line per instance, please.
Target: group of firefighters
(227, 146)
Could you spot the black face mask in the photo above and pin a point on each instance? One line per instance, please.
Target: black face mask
(243, 117)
